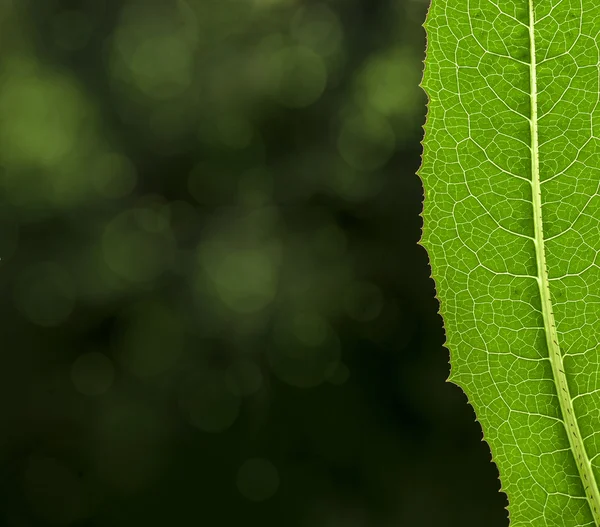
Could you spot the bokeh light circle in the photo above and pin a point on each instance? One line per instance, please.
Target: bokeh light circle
(132, 251)
(366, 140)
(207, 402)
(301, 76)
(304, 351)
(257, 479)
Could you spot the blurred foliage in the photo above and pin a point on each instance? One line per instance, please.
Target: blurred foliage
(213, 295)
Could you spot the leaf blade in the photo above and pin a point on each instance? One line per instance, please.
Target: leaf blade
(492, 227)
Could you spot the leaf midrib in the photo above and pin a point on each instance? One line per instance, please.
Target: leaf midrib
(582, 460)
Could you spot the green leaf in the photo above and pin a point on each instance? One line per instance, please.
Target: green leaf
(511, 171)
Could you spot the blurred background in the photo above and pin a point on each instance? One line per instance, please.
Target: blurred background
(214, 310)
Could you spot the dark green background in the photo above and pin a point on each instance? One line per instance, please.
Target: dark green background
(214, 310)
